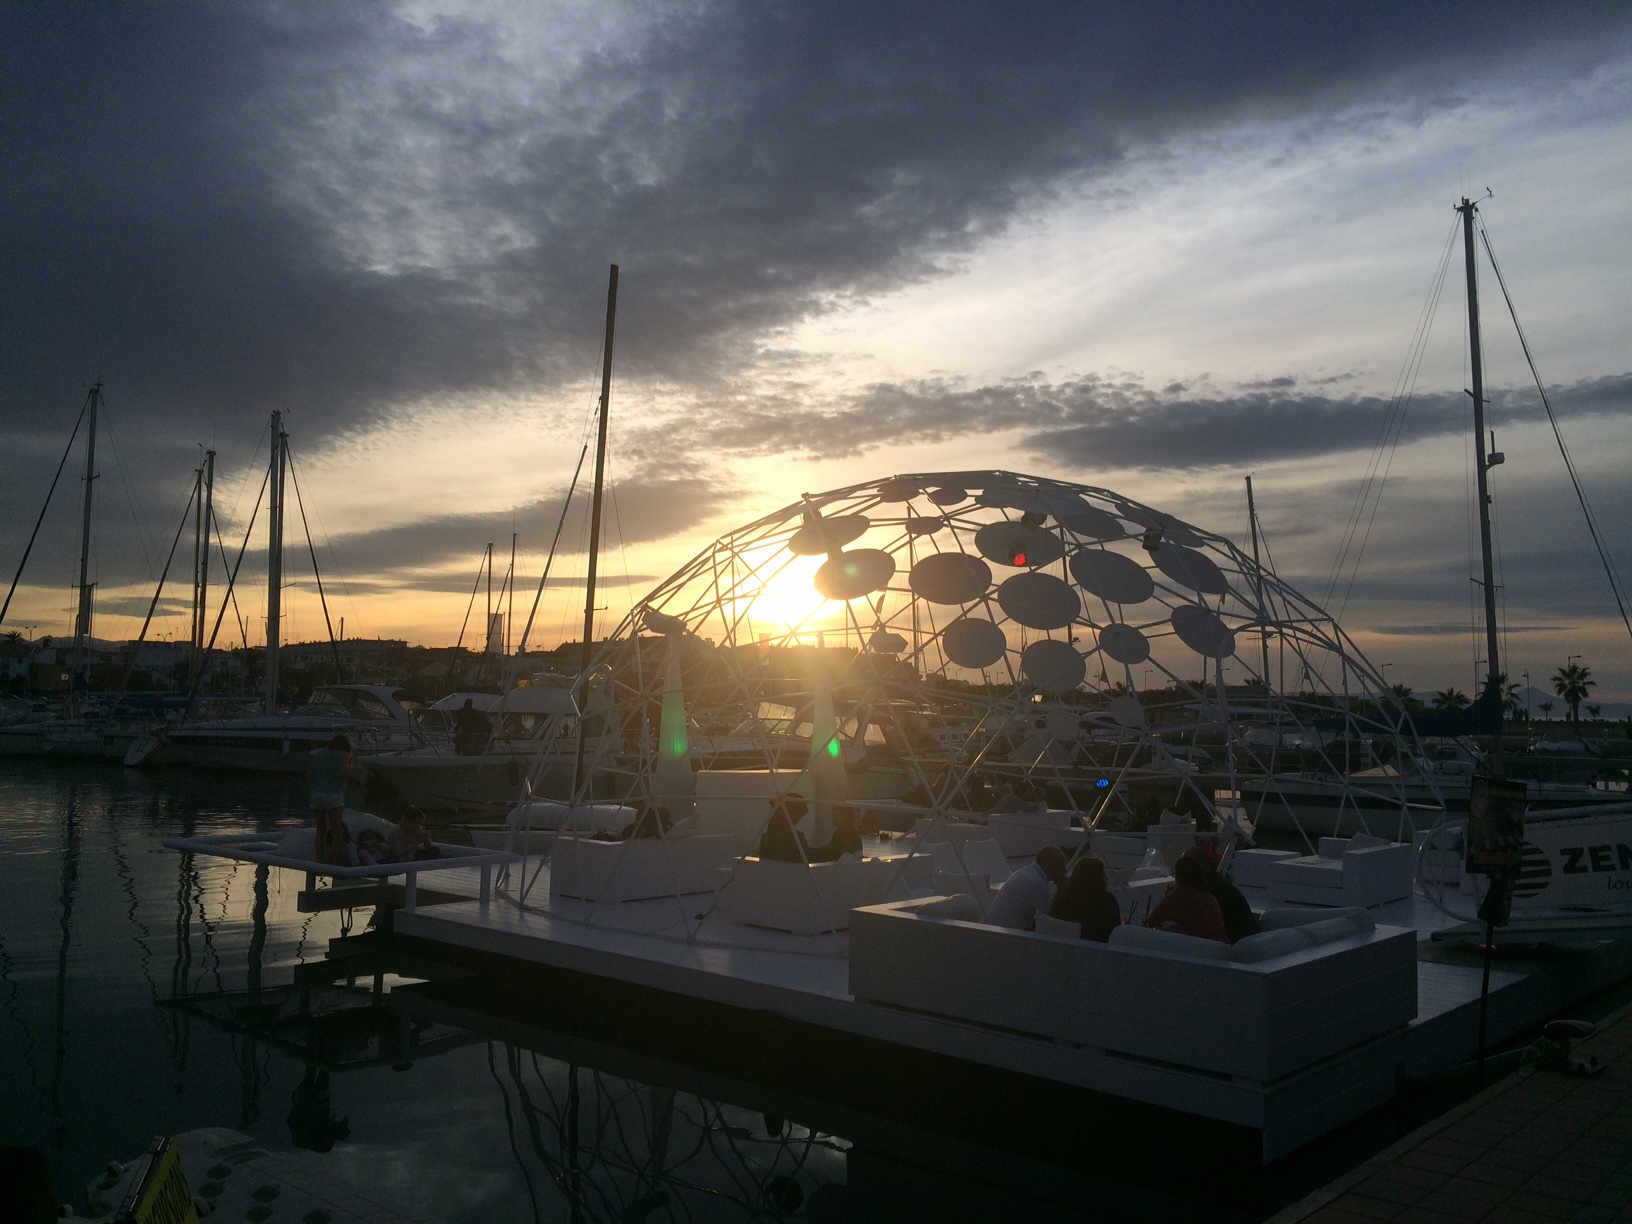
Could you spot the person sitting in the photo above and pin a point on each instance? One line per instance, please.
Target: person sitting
(1031, 797)
(1086, 900)
(653, 821)
(846, 838)
(409, 842)
(1004, 801)
(371, 851)
(1239, 920)
(1188, 907)
(1027, 891)
(781, 841)
(471, 730)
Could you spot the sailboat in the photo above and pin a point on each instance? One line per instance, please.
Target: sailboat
(373, 716)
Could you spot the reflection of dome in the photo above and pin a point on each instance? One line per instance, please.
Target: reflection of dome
(1019, 588)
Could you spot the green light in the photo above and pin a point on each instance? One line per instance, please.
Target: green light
(833, 748)
(677, 746)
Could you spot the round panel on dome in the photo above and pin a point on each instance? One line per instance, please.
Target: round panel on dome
(924, 524)
(1127, 711)
(1124, 644)
(1203, 631)
(661, 622)
(824, 535)
(1013, 497)
(1112, 576)
(948, 495)
(1190, 568)
(854, 574)
(887, 643)
(1078, 516)
(1171, 528)
(899, 490)
(1061, 724)
(950, 578)
(1054, 667)
(1039, 601)
(1019, 545)
(973, 643)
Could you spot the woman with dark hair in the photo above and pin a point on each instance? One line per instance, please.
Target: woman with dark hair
(1188, 907)
(327, 776)
(1086, 900)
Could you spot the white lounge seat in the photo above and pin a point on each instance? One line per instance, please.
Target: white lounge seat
(800, 898)
(1360, 871)
(640, 869)
(1251, 867)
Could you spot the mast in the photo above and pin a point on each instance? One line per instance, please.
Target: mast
(274, 562)
(1258, 581)
(82, 620)
(1483, 463)
(204, 556)
(198, 544)
(595, 519)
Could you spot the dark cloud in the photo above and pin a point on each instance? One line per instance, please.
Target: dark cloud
(224, 209)
(1100, 422)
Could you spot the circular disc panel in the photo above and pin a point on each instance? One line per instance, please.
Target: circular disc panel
(1203, 631)
(1111, 576)
(661, 622)
(948, 495)
(950, 578)
(1039, 601)
(1013, 497)
(898, 490)
(973, 643)
(824, 535)
(1127, 711)
(1172, 529)
(854, 574)
(1190, 568)
(1124, 644)
(923, 525)
(1018, 545)
(1054, 667)
(885, 642)
(1086, 520)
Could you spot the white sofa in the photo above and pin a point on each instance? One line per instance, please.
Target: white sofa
(640, 869)
(1022, 834)
(1359, 871)
(1250, 868)
(804, 899)
(1259, 1011)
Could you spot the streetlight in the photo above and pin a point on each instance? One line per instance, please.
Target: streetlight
(1526, 674)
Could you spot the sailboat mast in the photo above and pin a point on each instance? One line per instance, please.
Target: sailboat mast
(1258, 581)
(198, 560)
(1483, 463)
(82, 620)
(204, 556)
(595, 523)
(274, 563)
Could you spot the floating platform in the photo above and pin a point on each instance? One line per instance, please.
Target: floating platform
(684, 948)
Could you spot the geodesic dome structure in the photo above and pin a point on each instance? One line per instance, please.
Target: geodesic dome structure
(931, 627)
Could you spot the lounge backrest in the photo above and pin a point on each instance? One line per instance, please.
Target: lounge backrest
(1269, 944)
(1331, 929)
(1147, 939)
(1278, 919)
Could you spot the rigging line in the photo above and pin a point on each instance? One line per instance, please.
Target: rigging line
(1558, 436)
(300, 503)
(221, 547)
(204, 663)
(124, 681)
(476, 586)
(124, 482)
(1409, 393)
(550, 560)
(1409, 370)
(66, 451)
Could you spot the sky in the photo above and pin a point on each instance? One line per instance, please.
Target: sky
(1149, 248)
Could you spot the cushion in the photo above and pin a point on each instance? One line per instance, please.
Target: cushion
(1059, 927)
(1308, 872)
(1270, 944)
(1145, 939)
(684, 827)
(1276, 919)
(960, 907)
(1365, 841)
(1331, 929)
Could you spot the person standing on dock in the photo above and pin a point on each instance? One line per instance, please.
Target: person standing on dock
(326, 777)
(471, 730)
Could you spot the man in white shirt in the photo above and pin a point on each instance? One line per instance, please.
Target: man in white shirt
(1028, 891)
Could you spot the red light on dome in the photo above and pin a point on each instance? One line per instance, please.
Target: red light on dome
(1019, 558)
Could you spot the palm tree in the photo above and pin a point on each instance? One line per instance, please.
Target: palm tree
(1407, 697)
(1512, 702)
(13, 635)
(1546, 708)
(1571, 682)
(1450, 699)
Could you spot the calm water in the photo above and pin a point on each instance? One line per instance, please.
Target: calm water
(101, 928)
